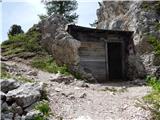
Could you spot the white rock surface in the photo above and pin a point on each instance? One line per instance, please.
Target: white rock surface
(26, 94)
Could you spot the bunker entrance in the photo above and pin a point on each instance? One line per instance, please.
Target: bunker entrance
(115, 61)
(103, 53)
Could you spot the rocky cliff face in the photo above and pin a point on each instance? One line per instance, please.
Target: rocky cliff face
(130, 16)
(138, 16)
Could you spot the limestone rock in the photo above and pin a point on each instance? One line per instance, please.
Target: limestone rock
(17, 117)
(8, 116)
(3, 96)
(136, 67)
(31, 115)
(81, 84)
(132, 16)
(17, 109)
(83, 95)
(58, 41)
(4, 107)
(26, 94)
(157, 73)
(32, 73)
(64, 79)
(7, 85)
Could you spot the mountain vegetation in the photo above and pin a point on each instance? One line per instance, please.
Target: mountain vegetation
(63, 8)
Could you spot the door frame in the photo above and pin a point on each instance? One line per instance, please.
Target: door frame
(123, 56)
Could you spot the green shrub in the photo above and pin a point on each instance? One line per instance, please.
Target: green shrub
(153, 82)
(5, 74)
(43, 107)
(151, 5)
(155, 43)
(38, 117)
(19, 43)
(154, 97)
(48, 64)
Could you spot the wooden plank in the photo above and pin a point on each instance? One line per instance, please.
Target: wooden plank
(92, 53)
(92, 59)
(92, 45)
(88, 59)
(106, 63)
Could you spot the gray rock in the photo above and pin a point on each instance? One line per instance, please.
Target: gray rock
(58, 89)
(17, 117)
(81, 84)
(4, 107)
(32, 73)
(3, 96)
(26, 94)
(67, 93)
(7, 116)
(31, 115)
(132, 16)
(30, 108)
(59, 42)
(17, 109)
(64, 79)
(4, 58)
(7, 85)
(71, 97)
(157, 73)
(83, 95)
(136, 68)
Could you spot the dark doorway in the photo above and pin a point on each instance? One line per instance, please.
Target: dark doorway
(115, 60)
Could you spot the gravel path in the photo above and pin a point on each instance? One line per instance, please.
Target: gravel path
(83, 101)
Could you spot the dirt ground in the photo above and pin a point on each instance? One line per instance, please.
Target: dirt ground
(78, 100)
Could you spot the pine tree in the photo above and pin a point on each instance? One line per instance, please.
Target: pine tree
(64, 8)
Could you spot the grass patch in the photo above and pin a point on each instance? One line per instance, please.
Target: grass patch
(48, 64)
(22, 43)
(154, 97)
(43, 107)
(114, 90)
(6, 75)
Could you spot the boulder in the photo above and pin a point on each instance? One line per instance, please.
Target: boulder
(64, 79)
(32, 114)
(17, 109)
(7, 85)
(157, 73)
(3, 96)
(32, 73)
(136, 67)
(7, 116)
(26, 94)
(3, 58)
(80, 83)
(17, 117)
(4, 107)
(58, 41)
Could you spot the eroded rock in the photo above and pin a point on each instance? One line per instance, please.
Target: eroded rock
(8, 85)
(26, 94)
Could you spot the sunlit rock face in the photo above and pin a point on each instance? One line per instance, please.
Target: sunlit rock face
(132, 16)
(59, 42)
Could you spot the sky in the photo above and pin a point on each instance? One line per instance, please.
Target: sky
(26, 14)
